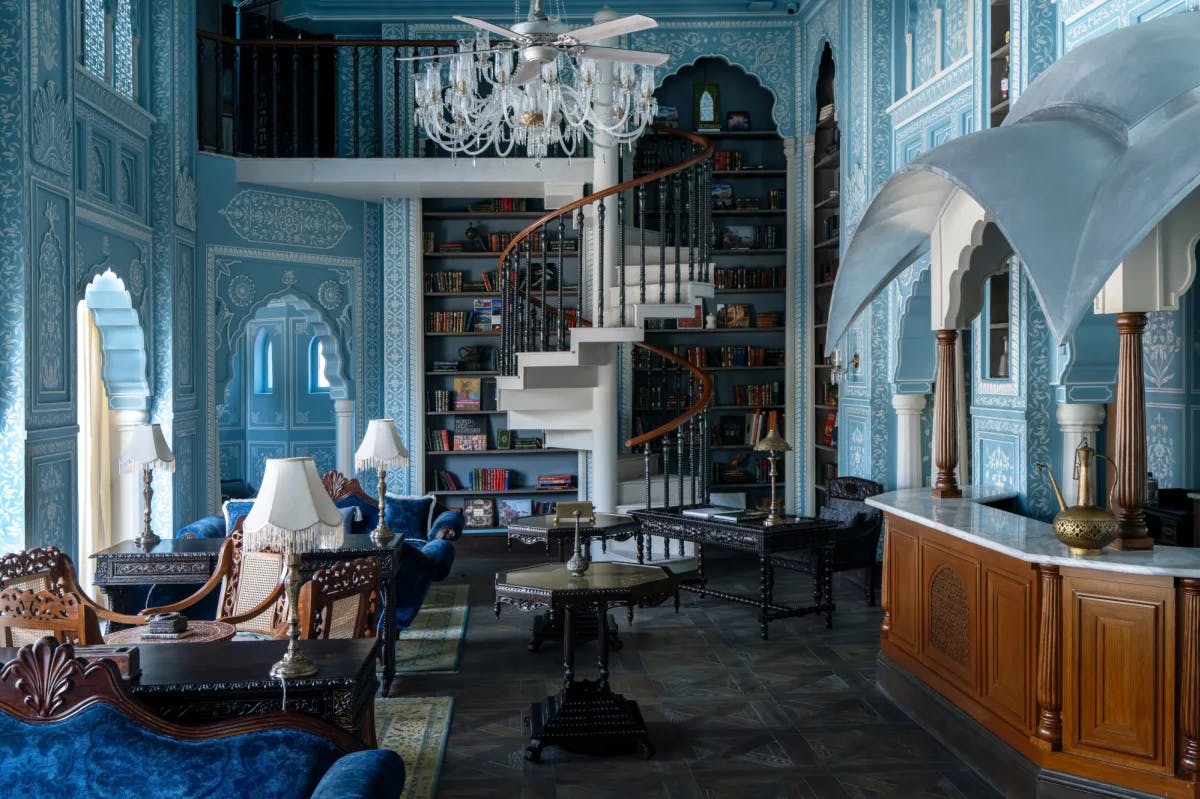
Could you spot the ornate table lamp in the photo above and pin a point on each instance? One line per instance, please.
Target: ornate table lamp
(773, 444)
(292, 514)
(148, 451)
(381, 448)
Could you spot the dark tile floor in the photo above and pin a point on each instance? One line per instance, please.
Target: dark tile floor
(730, 715)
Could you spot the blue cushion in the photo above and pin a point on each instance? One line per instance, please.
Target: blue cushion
(235, 509)
(410, 517)
(372, 774)
(368, 513)
(208, 527)
(114, 757)
(349, 517)
(451, 521)
(420, 564)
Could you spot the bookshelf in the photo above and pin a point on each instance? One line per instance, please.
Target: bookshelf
(825, 241)
(999, 60)
(745, 350)
(464, 434)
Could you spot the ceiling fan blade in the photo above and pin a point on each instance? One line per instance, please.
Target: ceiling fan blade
(527, 72)
(520, 38)
(646, 57)
(614, 27)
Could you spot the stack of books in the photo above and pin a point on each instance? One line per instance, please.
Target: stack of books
(555, 481)
(437, 440)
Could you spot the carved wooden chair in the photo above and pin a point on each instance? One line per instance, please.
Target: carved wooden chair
(253, 599)
(43, 597)
(341, 601)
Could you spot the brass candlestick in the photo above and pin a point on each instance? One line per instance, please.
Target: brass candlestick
(772, 443)
(147, 539)
(382, 533)
(294, 663)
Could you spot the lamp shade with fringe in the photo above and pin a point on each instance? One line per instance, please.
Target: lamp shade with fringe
(292, 512)
(381, 447)
(147, 449)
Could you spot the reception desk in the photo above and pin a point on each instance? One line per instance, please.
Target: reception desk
(1054, 675)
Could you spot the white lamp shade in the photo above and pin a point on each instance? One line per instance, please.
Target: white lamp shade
(381, 447)
(292, 512)
(147, 448)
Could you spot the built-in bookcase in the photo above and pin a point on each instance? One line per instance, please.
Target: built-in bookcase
(745, 348)
(999, 61)
(461, 314)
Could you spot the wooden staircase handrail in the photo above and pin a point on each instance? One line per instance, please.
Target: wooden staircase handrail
(695, 409)
(650, 177)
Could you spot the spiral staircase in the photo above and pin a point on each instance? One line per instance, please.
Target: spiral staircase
(645, 248)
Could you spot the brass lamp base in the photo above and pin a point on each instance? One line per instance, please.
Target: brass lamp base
(382, 534)
(147, 540)
(294, 664)
(773, 519)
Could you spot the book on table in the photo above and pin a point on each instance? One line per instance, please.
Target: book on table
(708, 511)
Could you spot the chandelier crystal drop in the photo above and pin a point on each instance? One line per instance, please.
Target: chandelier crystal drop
(469, 103)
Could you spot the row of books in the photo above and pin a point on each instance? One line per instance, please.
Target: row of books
(555, 481)
(445, 282)
(500, 204)
(536, 242)
(743, 355)
(746, 277)
(447, 321)
(750, 470)
(657, 398)
(744, 237)
(727, 160)
(443, 480)
(758, 393)
(488, 479)
(746, 428)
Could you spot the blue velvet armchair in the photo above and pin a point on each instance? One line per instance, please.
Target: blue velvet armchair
(68, 729)
(427, 527)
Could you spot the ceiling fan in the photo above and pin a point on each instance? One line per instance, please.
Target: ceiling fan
(539, 40)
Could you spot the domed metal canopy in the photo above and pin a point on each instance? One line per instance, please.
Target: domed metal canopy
(1095, 153)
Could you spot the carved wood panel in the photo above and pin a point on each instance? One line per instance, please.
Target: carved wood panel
(1118, 675)
(950, 629)
(1008, 687)
(902, 563)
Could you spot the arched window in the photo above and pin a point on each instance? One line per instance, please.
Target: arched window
(264, 363)
(318, 382)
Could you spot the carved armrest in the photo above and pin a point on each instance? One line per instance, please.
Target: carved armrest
(262, 607)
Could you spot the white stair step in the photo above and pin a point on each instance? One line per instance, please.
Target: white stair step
(610, 334)
(543, 399)
(571, 439)
(578, 418)
(630, 466)
(689, 291)
(633, 270)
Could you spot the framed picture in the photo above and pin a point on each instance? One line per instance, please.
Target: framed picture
(737, 120)
(513, 509)
(667, 115)
(722, 196)
(479, 513)
(736, 237)
(706, 106)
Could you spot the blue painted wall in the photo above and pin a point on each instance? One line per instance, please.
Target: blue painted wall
(83, 157)
(259, 245)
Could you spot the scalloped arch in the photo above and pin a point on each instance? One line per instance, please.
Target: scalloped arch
(122, 342)
(340, 386)
(775, 104)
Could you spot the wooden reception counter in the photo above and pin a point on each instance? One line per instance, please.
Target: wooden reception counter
(1084, 670)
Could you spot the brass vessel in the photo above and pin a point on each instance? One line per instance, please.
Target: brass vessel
(1084, 528)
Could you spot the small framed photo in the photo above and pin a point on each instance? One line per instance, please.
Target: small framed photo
(722, 196)
(736, 237)
(667, 115)
(737, 120)
(706, 101)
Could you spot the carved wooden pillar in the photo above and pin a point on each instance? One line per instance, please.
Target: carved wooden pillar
(1189, 678)
(945, 418)
(1049, 660)
(1130, 450)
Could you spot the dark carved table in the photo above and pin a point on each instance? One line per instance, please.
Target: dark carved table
(542, 530)
(586, 715)
(796, 533)
(195, 683)
(191, 560)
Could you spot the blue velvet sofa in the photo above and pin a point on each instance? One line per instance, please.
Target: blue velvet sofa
(429, 531)
(68, 729)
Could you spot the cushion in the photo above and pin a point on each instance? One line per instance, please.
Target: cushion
(410, 517)
(349, 517)
(112, 756)
(207, 527)
(371, 774)
(234, 509)
(846, 515)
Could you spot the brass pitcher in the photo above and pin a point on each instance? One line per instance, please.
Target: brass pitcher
(1084, 528)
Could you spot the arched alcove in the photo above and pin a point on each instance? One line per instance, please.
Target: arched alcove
(122, 341)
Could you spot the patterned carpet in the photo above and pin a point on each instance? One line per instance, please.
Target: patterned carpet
(433, 642)
(416, 729)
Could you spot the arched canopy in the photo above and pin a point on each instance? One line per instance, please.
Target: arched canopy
(1096, 153)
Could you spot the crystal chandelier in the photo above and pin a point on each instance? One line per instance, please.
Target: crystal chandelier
(485, 100)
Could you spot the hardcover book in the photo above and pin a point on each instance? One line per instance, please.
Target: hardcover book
(513, 509)
(479, 513)
(467, 393)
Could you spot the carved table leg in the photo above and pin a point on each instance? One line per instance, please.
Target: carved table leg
(1189, 679)
(700, 564)
(1049, 659)
(602, 620)
(641, 555)
(568, 647)
(827, 582)
(765, 580)
(508, 542)
(389, 589)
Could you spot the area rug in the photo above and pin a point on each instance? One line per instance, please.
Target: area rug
(415, 728)
(433, 642)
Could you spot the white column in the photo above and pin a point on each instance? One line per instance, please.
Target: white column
(128, 504)
(908, 439)
(604, 398)
(1076, 421)
(343, 415)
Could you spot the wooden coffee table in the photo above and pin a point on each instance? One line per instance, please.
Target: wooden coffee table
(202, 632)
(586, 715)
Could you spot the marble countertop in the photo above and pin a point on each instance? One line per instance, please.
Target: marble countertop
(1023, 538)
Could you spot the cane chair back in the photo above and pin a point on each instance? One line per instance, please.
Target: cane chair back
(33, 578)
(252, 598)
(28, 614)
(341, 601)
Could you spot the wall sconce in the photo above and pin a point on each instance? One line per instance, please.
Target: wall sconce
(838, 370)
